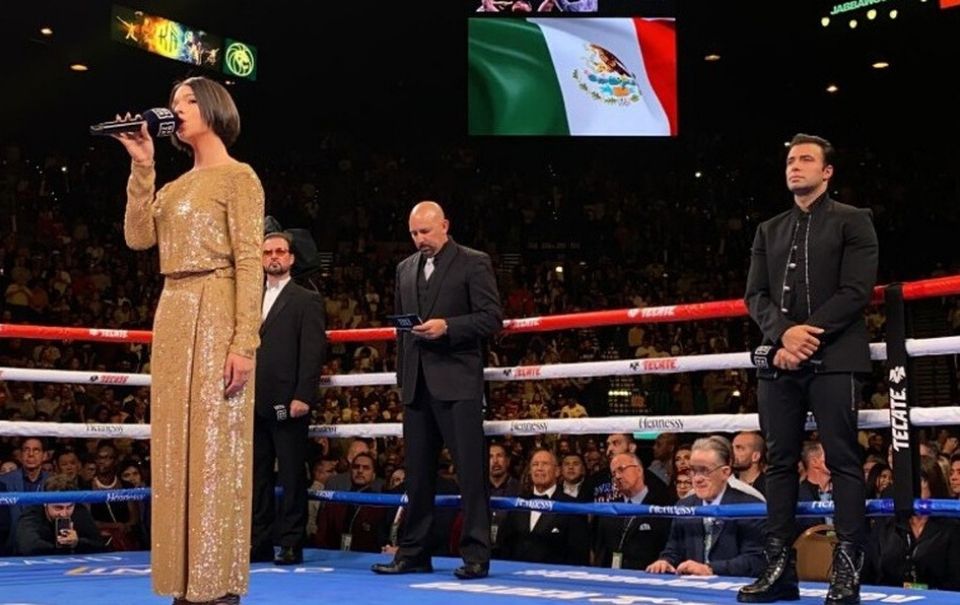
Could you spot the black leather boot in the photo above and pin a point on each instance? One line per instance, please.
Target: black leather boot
(778, 581)
(845, 575)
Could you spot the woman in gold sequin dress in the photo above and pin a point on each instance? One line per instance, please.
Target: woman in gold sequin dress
(208, 224)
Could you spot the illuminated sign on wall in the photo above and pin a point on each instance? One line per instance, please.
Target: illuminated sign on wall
(173, 40)
(239, 59)
(846, 7)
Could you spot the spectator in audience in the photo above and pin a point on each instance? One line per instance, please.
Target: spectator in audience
(61, 528)
(682, 484)
(681, 458)
(118, 522)
(573, 471)
(663, 450)
(503, 485)
(816, 485)
(748, 459)
(351, 526)
(878, 480)
(870, 462)
(632, 542)
(955, 475)
(320, 472)
(544, 537)
(68, 465)
(599, 486)
(342, 482)
(29, 478)
(928, 555)
(710, 546)
(88, 470)
(571, 408)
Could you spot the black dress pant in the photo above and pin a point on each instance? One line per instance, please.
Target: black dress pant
(428, 423)
(282, 445)
(783, 404)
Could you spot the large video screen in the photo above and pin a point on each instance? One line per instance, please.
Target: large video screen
(572, 76)
(173, 40)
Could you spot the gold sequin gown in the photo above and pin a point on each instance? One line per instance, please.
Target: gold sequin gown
(208, 225)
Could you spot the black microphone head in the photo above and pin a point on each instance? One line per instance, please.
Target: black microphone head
(161, 122)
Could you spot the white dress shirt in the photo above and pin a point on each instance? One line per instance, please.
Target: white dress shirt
(270, 295)
(535, 515)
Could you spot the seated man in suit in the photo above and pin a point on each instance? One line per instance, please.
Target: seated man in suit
(351, 526)
(632, 542)
(545, 537)
(710, 546)
(29, 478)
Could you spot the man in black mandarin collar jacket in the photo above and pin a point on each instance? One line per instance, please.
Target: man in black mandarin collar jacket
(440, 372)
(811, 276)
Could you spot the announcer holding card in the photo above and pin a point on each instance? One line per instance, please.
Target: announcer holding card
(440, 372)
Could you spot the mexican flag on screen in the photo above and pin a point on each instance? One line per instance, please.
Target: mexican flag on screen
(582, 76)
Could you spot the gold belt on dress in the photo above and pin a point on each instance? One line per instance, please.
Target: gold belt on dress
(218, 272)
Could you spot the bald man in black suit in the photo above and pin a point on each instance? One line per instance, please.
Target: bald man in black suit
(440, 371)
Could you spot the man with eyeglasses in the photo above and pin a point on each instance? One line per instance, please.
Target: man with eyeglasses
(632, 542)
(292, 347)
(704, 546)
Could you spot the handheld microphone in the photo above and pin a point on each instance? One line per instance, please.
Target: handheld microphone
(160, 121)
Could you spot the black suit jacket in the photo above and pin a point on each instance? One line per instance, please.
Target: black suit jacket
(556, 538)
(292, 347)
(639, 539)
(737, 547)
(843, 257)
(464, 293)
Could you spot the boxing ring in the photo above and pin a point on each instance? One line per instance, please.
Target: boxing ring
(124, 577)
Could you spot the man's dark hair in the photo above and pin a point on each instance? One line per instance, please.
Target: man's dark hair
(829, 153)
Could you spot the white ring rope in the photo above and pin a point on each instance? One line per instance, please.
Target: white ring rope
(709, 423)
(947, 345)
(705, 423)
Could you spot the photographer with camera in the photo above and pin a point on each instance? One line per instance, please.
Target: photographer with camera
(57, 528)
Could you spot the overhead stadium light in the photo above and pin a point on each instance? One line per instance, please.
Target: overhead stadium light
(832, 88)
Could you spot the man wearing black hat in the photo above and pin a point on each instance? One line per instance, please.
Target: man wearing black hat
(292, 347)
